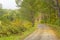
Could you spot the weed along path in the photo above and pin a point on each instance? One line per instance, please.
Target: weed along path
(43, 32)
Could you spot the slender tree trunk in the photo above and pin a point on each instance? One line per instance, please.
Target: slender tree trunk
(58, 8)
(33, 19)
(59, 13)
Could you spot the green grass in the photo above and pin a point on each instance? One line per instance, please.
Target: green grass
(10, 38)
(18, 36)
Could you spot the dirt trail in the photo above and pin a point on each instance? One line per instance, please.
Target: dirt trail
(43, 32)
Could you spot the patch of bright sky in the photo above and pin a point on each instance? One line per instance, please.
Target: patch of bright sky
(8, 4)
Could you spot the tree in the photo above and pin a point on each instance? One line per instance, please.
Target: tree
(55, 4)
(28, 9)
(48, 8)
(58, 7)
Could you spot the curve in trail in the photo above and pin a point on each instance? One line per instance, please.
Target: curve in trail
(42, 33)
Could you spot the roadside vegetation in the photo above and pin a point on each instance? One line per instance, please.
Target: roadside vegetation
(17, 24)
(13, 27)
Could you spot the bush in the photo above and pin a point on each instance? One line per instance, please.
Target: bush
(11, 30)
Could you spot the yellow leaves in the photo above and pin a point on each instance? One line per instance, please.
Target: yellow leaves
(27, 24)
(19, 23)
(0, 22)
(16, 22)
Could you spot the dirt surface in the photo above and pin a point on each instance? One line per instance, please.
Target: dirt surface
(43, 32)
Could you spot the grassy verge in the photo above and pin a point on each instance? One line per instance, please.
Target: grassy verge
(56, 28)
(18, 36)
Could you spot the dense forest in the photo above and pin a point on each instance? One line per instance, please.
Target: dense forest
(29, 14)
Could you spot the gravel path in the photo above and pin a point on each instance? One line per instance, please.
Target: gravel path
(43, 32)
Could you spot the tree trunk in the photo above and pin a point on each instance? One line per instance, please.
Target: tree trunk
(33, 19)
(59, 13)
(58, 8)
